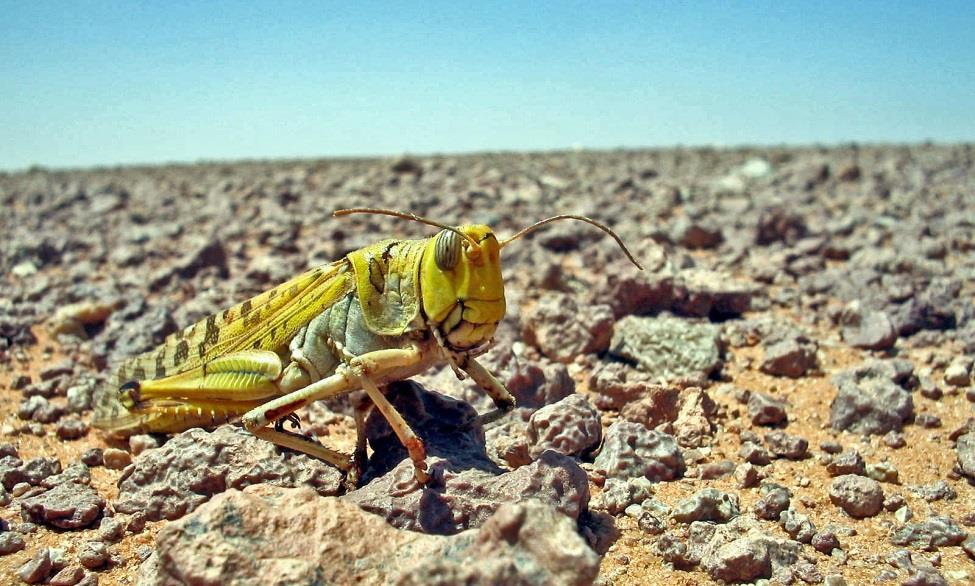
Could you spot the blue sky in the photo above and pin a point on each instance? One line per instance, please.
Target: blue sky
(101, 83)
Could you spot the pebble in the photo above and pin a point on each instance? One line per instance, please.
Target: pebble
(958, 375)
(825, 542)
(935, 531)
(707, 505)
(787, 446)
(850, 462)
(631, 450)
(798, 526)
(856, 495)
(903, 514)
(142, 442)
(72, 428)
(766, 410)
(775, 499)
(37, 569)
(883, 472)
(93, 555)
(69, 576)
(11, 542)
(93, 457)
(115, 459)
(790, 357)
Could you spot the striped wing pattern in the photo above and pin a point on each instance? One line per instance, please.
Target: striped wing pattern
(267, 321)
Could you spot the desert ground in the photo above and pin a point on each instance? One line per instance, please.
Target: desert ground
(783, 395)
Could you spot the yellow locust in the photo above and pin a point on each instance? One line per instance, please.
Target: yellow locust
(383, 313)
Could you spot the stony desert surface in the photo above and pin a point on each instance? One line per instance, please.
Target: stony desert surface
(784, 395)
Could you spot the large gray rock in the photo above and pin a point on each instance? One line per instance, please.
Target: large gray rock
(934, 532)
(668, 348)
(68, 505)
(857, 495)
(630, 450)
(458, 498)
(295, 537)
(562, 329)
(570, 427)
(170, 481)
(871, 399)
(465, 485)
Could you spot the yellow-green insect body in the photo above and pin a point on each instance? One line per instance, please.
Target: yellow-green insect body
(383, 313)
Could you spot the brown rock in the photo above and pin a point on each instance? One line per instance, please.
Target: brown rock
(294, 536)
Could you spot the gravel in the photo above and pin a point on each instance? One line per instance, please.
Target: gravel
(858, 496)
(630, 450)
(668, 348)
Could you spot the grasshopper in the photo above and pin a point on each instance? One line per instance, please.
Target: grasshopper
(382, 313)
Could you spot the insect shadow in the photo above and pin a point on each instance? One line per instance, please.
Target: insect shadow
(449, 428)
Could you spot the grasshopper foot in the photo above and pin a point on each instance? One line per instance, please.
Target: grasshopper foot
(291, 418)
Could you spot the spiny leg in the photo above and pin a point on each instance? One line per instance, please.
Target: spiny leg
(402, 429)
(304, 445)
(281, 409)
(374, 364)
(492, 386)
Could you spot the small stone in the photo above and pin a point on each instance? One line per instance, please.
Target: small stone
(856, 495)
(903, 514)
(79, 397)
(20, 489)
(562, 329)
(713, 470)
(825, 542)
(870, 399)
(969, 546)
(115, 459)
(830, 447)
(142, 442)
(894, 439)
(111, 530)
(37, 569)
(936, 491)
(883, 472)
(787, 446)
(631, 450)
(93, 457)
(618, 494)
(742, 560)
(797, 525)
(766, 410)
(894, 502)
(668, 348)
(11, 542)
(936, 531)
(651, 523)
(958, 375)
(71, 428)
(847, 463)
(928, 420)
(925, 577)
(834, 580)
(965, 452)
(775, 499)
(789, 357)
(570, 426)
(747, 475)
(870, 330)
(707, 505)
(754, 454)
(93, 555)
(67, 506)
(69, 576)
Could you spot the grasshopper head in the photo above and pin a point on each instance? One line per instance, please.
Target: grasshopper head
(460, 276)
(461, 285)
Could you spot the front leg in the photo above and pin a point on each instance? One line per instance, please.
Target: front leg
(495, 389)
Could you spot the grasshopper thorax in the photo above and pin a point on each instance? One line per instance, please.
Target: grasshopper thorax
(461, 285)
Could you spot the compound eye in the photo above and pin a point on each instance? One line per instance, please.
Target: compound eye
(447, 249)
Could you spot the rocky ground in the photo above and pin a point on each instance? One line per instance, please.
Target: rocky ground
(784, 394)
